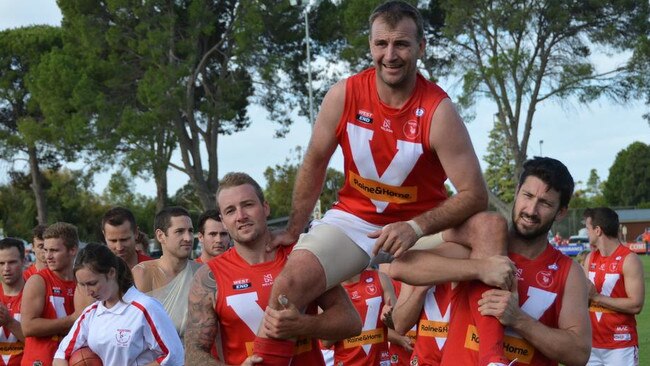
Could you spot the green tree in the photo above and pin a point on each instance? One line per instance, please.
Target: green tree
(280, 180)
(628, 183)
(522, 54)
(24, 132)
(191, 67)
(500, 172)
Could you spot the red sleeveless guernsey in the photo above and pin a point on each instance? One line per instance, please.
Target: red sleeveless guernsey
(370, 348)
(243, 292)
(390, 172)
(11, 349)
(433, 326)
(59, 303)
(541, 289)
(610, 329)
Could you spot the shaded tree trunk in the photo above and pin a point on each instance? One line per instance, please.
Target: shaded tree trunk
(37, 186)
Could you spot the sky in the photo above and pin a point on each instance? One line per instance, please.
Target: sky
(583, 137)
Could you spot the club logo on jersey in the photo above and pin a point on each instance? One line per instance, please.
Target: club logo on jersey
(553, 267)
(123, 336)
(241, 284)
(544, 279)
(371, 289)
(364, 116)
(613, 266)
(419, 112)
(386, 126)
(268, 280)
(412, 129)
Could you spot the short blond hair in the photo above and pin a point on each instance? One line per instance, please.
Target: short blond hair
(66, 232)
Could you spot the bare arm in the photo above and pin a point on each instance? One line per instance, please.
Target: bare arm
(311, 175)
(140, 278)
(338, 320)
(442, 264)
(59, 362)
(406, 312)
(449, 139)
(31, 308)
(202, 321)
(570, 343)
(8, 321)
(634, 288)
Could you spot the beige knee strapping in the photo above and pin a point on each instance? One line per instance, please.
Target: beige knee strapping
(340, 257)
(428, 242)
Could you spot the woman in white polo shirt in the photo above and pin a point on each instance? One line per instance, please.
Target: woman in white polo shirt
(124, 326)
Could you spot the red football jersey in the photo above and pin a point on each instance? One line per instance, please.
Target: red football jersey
(30, 271)
(390, 172)
(243, 291)
(11, 349)
(541, 289)
(370, 348)
(610, 329)
(433, 326)
(59, 303)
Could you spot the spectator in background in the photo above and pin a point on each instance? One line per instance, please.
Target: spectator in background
(120, 232)
(37, 247)
(168, 278)
(142, 243)
(213, 236)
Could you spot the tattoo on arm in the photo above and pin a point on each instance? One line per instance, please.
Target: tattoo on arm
(202, 321)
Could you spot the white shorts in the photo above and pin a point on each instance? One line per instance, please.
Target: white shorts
(340, 242)
(628, 356)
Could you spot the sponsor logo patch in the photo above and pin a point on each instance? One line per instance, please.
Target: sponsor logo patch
(364, 116)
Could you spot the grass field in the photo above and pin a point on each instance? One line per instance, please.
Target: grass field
(643, 319)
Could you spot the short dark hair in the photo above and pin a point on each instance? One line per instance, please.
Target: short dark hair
(65, 231)
(38, 230)
(236, 179)
(163, 219)
(207, 215)
(392, 12)
(7, 243)
(605, 218)
(116, 216)
(553, 173)
(99, 259)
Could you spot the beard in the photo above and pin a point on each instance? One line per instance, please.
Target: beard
(530, 235)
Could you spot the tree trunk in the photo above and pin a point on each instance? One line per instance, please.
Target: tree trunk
(37, 186)
(501, 207)
(161, 188)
